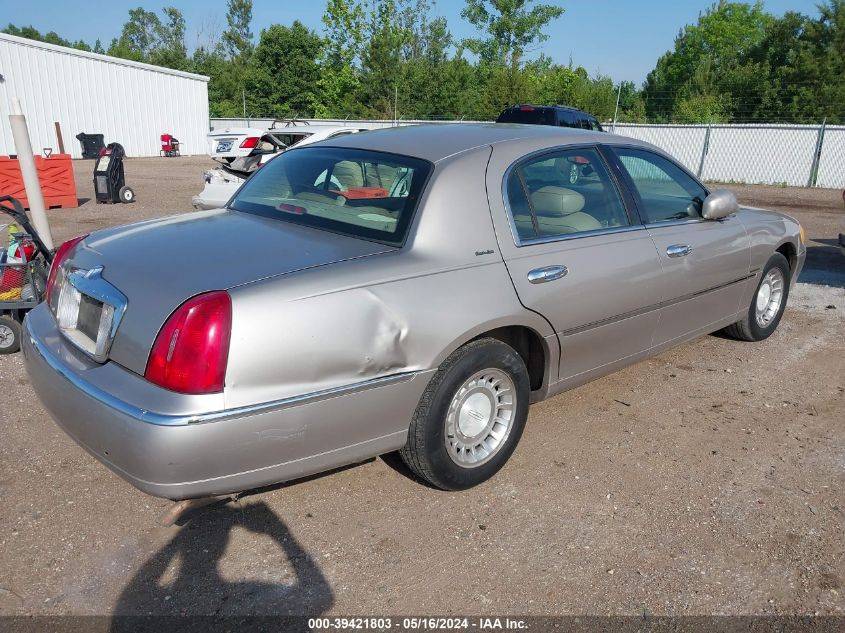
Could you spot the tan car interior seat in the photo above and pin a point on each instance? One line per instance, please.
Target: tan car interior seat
(348, 174)
(560, 210)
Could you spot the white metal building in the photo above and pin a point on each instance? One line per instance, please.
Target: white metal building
(128, 102)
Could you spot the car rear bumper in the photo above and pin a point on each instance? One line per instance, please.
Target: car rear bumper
(214, 195)
(220, 452)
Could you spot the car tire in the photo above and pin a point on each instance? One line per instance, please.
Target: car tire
(470, 417)
(767, 304)
(10, 335)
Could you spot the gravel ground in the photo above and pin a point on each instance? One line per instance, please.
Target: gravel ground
(707, 480)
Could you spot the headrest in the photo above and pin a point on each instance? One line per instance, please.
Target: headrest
(556, 201)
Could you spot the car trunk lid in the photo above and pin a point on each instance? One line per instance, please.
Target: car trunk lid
(160, 264)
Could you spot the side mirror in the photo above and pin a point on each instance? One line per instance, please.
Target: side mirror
(719, 204)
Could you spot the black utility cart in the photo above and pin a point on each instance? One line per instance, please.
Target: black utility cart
(109, 178)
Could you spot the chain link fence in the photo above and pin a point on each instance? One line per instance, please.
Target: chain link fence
(793, 155)
(777, 154)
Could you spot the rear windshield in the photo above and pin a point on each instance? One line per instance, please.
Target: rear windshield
(533, 116)
(356, 192)
(288, 139)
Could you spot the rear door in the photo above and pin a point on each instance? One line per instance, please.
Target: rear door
(575, 254)
(705, 262)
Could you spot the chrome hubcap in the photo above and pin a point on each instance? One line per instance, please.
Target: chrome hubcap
(480, 418)
(7, 337)
(769, 297)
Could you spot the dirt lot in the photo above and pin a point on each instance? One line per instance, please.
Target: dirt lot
(705, 481)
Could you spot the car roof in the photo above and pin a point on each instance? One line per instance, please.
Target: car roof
(438, 142)
(549, 107)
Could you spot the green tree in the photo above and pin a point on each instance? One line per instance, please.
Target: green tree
(284, 71)
(224, 97)
(703, 60)
(31, 33)
(171, 51)
(140, 36)
(509, 29)
(423, 92)
(381, 68)
(237, 38)
(799, 67)
(344, 23)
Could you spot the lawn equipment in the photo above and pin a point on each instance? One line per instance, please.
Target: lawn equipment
(169, 145)
(24, 264)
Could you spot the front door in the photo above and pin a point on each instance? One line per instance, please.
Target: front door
(705, 262)
(576, 256)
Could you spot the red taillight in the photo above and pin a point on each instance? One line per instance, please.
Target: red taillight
(191, 351)
(58, 258)
(249, 142)
(526, 109)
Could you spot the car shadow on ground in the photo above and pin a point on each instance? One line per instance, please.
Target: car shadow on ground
(825, 264)
(184, 578)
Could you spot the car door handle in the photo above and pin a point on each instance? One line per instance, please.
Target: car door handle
(547, 273)
(678, 250)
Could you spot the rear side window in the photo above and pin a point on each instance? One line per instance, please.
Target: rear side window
(567, 119)
(564, 192)
(528, 115)
(357, 192)
(667, 192)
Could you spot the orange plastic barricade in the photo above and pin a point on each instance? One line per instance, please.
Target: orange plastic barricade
(55, 175)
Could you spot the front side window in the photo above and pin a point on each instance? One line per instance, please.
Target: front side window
(667, 191)
(561, 193)
(357, 192)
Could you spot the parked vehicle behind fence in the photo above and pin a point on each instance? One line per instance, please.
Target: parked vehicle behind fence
(562, 116)
(410, 290)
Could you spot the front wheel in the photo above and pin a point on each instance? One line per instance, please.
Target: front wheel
(10, 335)
(767, 305)
(470, 417)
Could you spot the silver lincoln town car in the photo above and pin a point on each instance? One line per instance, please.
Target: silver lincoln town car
(410, 290)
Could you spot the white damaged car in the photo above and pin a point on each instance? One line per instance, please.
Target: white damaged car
(240, 151)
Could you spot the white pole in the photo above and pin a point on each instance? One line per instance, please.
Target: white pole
(616, 111)
(26, 160)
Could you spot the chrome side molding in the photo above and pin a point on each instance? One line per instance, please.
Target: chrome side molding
(164, 419)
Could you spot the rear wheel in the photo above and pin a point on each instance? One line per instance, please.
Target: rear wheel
(10, 335)
(470, 417)
(767, 305)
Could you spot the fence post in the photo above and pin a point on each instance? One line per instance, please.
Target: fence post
(817, 155)
(704, 150)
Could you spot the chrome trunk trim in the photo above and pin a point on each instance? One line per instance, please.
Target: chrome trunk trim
(92, 284)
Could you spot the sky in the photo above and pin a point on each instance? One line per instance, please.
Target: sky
(618, 38)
